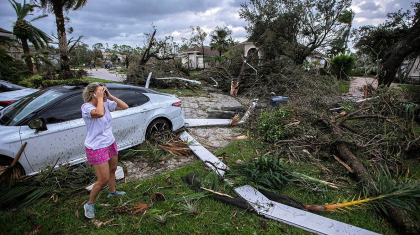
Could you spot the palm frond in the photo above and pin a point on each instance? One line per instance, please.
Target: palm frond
(400, 193)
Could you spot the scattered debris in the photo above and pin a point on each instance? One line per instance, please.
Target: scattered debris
(8, 173)
(140, 207)
(344, 164)
(182, 79)
(158, 197)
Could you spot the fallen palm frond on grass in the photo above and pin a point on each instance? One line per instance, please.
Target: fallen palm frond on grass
(400, 193)
(176, 148)
(29, 190)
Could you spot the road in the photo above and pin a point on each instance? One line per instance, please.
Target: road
(104, 74)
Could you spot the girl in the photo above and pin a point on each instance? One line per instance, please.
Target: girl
(101, 149)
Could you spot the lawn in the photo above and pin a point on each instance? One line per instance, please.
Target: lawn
(203, 216)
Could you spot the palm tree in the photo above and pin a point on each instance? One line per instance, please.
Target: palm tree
(219, 40)
(58, 7)
(25, 31)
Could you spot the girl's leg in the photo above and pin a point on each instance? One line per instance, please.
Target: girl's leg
(113, 161)
(102, 174)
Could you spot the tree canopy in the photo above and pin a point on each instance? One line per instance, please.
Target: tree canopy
(295, 28)
(58, 7)
(391, 42)
(220, 40)
(25, 31)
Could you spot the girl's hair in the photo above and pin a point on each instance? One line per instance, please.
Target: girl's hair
(91, 88)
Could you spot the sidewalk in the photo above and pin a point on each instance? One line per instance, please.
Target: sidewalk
(104, 74)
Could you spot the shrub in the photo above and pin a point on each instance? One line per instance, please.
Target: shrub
(342, 65)
(38, 82)
(32, 82)
(272, 122)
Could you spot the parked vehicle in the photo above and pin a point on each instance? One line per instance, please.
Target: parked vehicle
(50, 121)
(10, 93)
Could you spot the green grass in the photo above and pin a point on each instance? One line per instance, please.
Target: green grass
(92, 79)
(213, 217)
(344, 86)
(182, 92)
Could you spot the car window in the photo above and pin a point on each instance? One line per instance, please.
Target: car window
(19, 110)
(66, 110)
(142, 98)
(129, 96)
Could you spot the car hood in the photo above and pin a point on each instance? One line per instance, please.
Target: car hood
(16, 95)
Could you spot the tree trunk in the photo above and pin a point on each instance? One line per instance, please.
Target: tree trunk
(234, 86)
(401, 219)
(62, 41)
(26, 52)
(410, 44)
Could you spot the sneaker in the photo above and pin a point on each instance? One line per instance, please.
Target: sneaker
(89, 210)
(116, 193)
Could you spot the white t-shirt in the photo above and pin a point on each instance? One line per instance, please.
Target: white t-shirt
(99, 130)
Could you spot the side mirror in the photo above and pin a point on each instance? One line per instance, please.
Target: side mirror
(38, 124)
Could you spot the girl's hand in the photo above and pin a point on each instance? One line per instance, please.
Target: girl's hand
(107, 92)
(99, 94)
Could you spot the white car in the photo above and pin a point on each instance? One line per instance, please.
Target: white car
(10, 93)
(51, 123)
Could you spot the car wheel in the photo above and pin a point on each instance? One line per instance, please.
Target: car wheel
(157, 127)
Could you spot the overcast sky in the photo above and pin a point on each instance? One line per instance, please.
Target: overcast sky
(124, 22)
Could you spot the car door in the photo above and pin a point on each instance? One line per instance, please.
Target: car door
(129, 126)
(63, 142)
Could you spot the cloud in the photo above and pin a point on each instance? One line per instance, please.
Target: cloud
(125, 22)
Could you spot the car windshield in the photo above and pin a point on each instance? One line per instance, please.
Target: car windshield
(19, 110)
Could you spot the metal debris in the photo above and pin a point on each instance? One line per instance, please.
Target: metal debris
(271, 209)
(183, 79)
(206, 122)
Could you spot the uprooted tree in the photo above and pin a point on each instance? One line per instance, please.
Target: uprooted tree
(365, 136)
(392, 42)
(157, 56)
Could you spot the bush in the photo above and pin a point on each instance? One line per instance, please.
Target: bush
(32, 82)
(38, 82)
(272, 122)
(342, 65)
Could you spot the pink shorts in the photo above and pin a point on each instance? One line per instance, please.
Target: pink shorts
(98, 156)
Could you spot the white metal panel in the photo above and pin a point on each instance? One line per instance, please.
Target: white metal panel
(206, 156)
(207, 122)
(298, 218)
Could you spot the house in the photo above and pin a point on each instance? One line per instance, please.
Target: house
(193, 57)
(413, 70)
(317, 60)
(14, 50)
(106, 57)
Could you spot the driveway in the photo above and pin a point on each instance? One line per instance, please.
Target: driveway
(357, 83)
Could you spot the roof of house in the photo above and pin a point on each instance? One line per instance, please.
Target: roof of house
(208, 52)
(6, 33)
